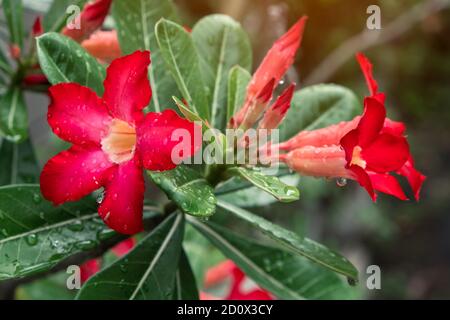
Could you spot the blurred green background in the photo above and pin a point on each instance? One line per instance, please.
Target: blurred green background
(409, 241)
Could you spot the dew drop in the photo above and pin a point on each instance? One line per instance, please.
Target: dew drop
(32, 239)
(37, 198)
(341, 182)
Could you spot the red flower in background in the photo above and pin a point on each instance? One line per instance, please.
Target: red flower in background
(91, 267)
(91, 18)
(113, 141)
(228, 269)
(275, 64)
(367, 149)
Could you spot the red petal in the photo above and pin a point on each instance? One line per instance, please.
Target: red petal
(127, 88)
(278, 60)
(348, 143)
(88, 269)
(122, 205)
(91, 19)
(123, 247)
(366, 68)
(371, 122)
(386, 153)
(414, 177)
(394, 127)
(387, 184)
(364, 180)
(218, 273)
(37, 27)
(154, 142)
(77, 115)
(73, 174)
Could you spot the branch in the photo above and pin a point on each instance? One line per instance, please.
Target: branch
(371, 38)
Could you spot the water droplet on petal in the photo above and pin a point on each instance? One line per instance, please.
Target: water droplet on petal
(341, 182)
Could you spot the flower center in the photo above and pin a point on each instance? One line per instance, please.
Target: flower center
(357, 159)
(120, 143)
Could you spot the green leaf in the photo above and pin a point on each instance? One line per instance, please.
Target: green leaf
(185, 284)
(201, 253)
(145, 273)
(53, 287)
(136, 22)
(35, 235)
(13, 11)
(4, 64)
(57, 17)
(221, 44)
(64, 60)
(286, 275)
(270, 184)
(308, 248)
(188, 189)
(13, 115)
(238, 80)
(182, 60)
(319, 106)
(18, 163)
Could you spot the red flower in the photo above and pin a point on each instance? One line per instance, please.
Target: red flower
(112, 142)
(221, 272)
(91, 18)
(275, 64)
(367, 149)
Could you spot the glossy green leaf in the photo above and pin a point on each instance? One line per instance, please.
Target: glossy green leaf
(35, 235)
(182, 60)
(145, 273)
(238, 80)
(13, 115)
(308, 248)
(18, 163)
(13, 10)
(136, 22)
(221, 44)
(270, 184)
(188, 189)
(64, 60)
(59, 14)
(201, 253)
(286, 275)
(185, 284)
(319, 106)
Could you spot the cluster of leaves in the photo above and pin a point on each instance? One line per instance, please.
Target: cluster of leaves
(210, 69)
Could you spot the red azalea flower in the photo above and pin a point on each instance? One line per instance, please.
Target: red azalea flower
(367, 149)
(113, 141)
(91, 18)
(273, 67)
(221, 272)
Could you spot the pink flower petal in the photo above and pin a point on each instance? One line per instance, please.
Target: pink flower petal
(366, 67)
(127, 88)
(122, 205)
(387, 153)
(371, 122)
(73, 174)
(155, 143)
(387, 184)
(77, 115)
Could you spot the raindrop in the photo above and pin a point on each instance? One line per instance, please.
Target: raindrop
(85, 245)
(123, 268)
(105, 234)
(37, 198)
(100, 198)
(32, 239)
(341, 182)
(76, 226)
